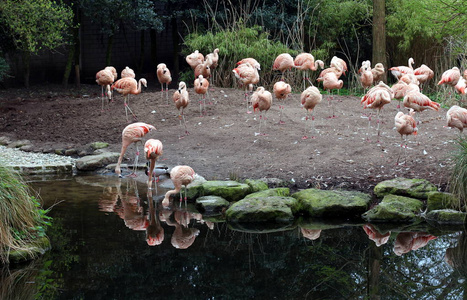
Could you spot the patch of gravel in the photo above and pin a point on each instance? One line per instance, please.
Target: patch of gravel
(12, 157)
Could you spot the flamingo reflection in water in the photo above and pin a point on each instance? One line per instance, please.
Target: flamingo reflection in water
(375, 235)
(311, 234)
(130, 209)
(407, 241)
(154, 231)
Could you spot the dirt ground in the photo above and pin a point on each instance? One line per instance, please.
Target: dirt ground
(223, 143)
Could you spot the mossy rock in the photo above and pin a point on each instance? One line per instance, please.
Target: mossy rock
(256, 185)
(229, 190)
(37, 247)
(447, 216)
(395, 208)
(262, 209)
(415, 188)
(99, 145)
(331, 203)
(211, 205)
(439, 200)
(282, 192)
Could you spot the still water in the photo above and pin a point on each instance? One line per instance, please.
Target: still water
(111, 240)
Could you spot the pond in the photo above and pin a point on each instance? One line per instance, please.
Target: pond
(110, 242)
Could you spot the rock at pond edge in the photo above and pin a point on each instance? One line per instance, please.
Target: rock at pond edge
(415, 188)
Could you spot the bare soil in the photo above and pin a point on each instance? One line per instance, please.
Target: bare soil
(345, 153)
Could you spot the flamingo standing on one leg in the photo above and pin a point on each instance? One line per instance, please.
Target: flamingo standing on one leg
(339, 63)
(181, 99)
(402, 70)
(331, 82)
(214, 57)
(132, 133)
(152, 151)
(261, 100)
(127, 86)
(418, 101)
(114, 73)
(378, 73)
(194, 59)
(201, 86)
(306, 61)
(248, 75)
(376, 98)
(423, 74)
(204, 68)
(105, 78)
(180, 175)
(164, 77)
(128, 72)
(309, 99)
(366, 75)
(405, 125)
(283, 62)
(457, 117)
(281, 90)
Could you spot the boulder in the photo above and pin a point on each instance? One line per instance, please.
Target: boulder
(332, 203)
(211, 205)
(262, 209)
(440, 200)
(282, 192)
(415, 188)
(229, 190)
(446, 216)
(256, 185)
(93, 162)
(19, 144)
(35, 248)
(395, 208)
(99, 145)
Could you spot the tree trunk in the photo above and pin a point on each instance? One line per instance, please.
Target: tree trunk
(27, 70)
(69, 64)
(108, 56)
(379, 34)
(153, 36)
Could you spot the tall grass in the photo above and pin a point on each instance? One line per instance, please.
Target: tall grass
(21, 219)
(458, 180)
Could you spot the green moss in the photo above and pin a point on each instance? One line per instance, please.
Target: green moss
(439, 200)
(447, 216)
(256, 185)
(283, 192)
(99, 145)
(262, 209)
(395, 208)
(416, 188)
(229, 190)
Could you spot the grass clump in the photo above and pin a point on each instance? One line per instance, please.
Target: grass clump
(21, 218)
(458, 180)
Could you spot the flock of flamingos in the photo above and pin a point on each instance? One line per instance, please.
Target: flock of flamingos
(408, 89)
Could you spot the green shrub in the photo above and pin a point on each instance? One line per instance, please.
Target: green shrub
(458, 180)
(21, 218)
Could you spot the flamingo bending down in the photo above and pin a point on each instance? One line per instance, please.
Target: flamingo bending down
(305, 62)
(128, 72)
(164, 77)
(201, 86)
(405, 125)
(402, 70)
(331, 82)
(450, 77)
(127, 86)
(248, 75)
(261, 100)
(152, 151)
(423, 73)
(181, 99)
(105, 78)
(132, 133)
(461, 86)
(283, 62)
(281, 90)
(180, 175)
(194, 59)
(457, 117)
(376, 98)
(309, 99)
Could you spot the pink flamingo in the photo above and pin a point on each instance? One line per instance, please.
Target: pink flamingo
(331, 82)
(201, 86)
(423, 74)
(376, 98)
(366, 76)
(132, 133)
(181, 99)
(204, 68)
(164, 77)
(248, 75)
(405, 125)
(378, 73)
(339, 63)
(180, 176)
(283, 62)
(261, 100)
(306, 61)
(152, 151)
(253, 62)
(402, 70)
(194, 59)
(457, 117)
(105, 78)
(127, 72)
(309, 99)
(450, 77)
(281, 90)
(127, 86)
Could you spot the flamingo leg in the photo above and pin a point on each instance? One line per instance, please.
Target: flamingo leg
(378, 121)
(102, 97)
(247, 102)
(167, 93)
(135, 163)
(304, 133)
(127, 108)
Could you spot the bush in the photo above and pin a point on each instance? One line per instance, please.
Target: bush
(458, 180)
(21, 219)
(4, 68)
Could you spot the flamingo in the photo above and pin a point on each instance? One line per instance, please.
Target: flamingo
(378, 73)
(127, 72)
(306, 61)
(132, 133)
(418, 101)
(405, 125)
(214, 57)
(376, 98)
(204, 68)
(309, 99)
(339, 63)
(457, 117)
(201, 86)
(407, 241)
(423, 74)
(331, 82)
(375, 235)
(180, 175)
(283, 62)
(127, 86)
(105, 78)
(450, 77)
(402, 70)
(261, 100)
(460, 86)
(113, 71)
(366, 76)
(152, 151)
(154, 231)
(194, 59)
(281, 90)
(248, 75)
(181, 99)
(164, 77)
(253, 62)
(336, 70)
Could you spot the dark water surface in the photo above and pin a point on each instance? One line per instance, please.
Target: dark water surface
(109, 242)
